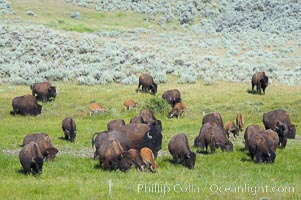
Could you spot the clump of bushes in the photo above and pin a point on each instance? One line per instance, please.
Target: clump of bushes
(158, 105)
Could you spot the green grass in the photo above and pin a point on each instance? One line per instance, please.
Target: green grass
(75, 175)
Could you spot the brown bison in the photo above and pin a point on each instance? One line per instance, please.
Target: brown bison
(130, 104)
(95, 108)
(230, 127)
(178, 147)
(114, 124)
(148, 117)
(26, 105)
(251, 130)
(69, 128)
(136, 120)
(214, 136)
(43, 91)
(261, 147)
(273, 137)
(177, 110)
(112, 156)
(31, 158)
(99, 137)
(279, 121)
(45, 145)
(148, 158)
(172, 96)
(137, 159)
(240, 121)
(147, 83)
(261, 81)
(214, 117)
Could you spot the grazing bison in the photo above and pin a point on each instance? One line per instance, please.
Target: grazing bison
(261, 147)
(26, 105)
(148, 117)
(99, 137)
(130, 104)
(148, 158)
(45, 145)
(69, 128)
(230, 127)
(95, 108)
(137, 136)
(172, 96)
(31, 158)
(251, 130)
(240, 121)
(112, 156)
(114, 124)
(279, 121)
(147, 83)
(178, 147)
(214, 136)
(137, 159)
(177, 110)
(273, 137)
(214, 117)
(43, 91)
(261, 81)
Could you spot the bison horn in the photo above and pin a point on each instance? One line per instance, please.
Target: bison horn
(188, 156)
(149, 136)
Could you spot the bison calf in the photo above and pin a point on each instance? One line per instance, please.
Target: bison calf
(178, 147)
(130, 104)
(95, 108)
(230, 127)
(177, 110)
(31, 158)
(69, 128)
(148, 158)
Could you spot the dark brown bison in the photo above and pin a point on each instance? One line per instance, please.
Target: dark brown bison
(114, 124)
(261, 81)
(177, 110)
(69, 128)
(179, 148)
(240, 121)
(137, 136)
(112, 156)
(148, 117)
(279, 121)
(26, 105)
(148, 158)
(251, 130)
(214, 117)
(43, 91)
(230, 127)
(172, 96)
(137, 159)
(31, 158)
(99, 137)
(147, 83)
(273, 137)
(136, 120)
(261, 147)
(45, 145)
(214, 136)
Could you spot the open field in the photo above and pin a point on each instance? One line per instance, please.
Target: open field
(75, 175)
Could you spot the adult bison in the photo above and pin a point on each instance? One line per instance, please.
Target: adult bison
(261, 81)
(148, 117)
(178, 147)
(114, 124)
(214, 117)
(69, 128)
(26, 105)
(147, 83)
(279, 121)
(31, 158)
(43, 91)
(45, 145)
(99, 137)
(214, 136)
(172, 96)
(137, 136)
(177, 110)
(261, 147)
(251, 130)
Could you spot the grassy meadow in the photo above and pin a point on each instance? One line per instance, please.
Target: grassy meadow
(75, 175)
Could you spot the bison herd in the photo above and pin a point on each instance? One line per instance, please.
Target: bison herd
(137, 144)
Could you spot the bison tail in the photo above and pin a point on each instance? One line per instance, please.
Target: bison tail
(92, 139)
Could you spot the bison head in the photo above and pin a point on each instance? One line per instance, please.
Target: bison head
(153, 139)
(52, 91)
(198, 142)
(190, 160)
(50, 153)
(124, 161)
(37, 165)
(229, 146)
(154, 88)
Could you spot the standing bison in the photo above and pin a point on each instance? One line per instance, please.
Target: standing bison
(214, 136)
(69, 128)
(279, 121)
(31, 158)
(44, 142)
(230, 127)
(178, 147)
(148, 158)
(261, 81)
(172, 96)
(214, 117)
(43, 91)
(251, 130)
(240, 121)
(177, 110)
(26, 105)
(147, 84)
